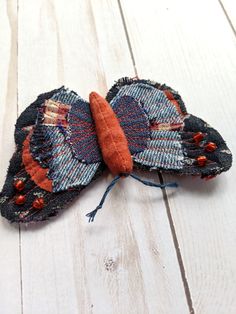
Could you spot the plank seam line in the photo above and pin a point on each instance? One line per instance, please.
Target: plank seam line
(177, 248)
(127, 37)
(227, 17)
(165, 197)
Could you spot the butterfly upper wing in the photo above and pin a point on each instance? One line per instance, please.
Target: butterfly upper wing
(161, 133)
(64, 140)
(57, 155)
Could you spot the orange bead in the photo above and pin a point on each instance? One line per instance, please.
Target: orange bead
(20, 200)
(19, 184)
(210, 147)
(198, 137)
(201, 160)
(38, 203)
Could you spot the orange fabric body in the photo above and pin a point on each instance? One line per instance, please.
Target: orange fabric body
(33, 168)
(111, 138)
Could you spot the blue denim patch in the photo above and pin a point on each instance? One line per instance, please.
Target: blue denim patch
(65, 170)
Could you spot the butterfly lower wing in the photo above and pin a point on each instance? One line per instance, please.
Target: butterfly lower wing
(51, 158)
(161, 133)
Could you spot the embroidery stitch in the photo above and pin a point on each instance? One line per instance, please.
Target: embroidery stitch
(58, 153)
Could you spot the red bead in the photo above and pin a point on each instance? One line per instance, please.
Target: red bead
(201, 160)
(38, 203)
(210, 147)
(19, 184)
(210, 177)
(20, 200)
(198, 137)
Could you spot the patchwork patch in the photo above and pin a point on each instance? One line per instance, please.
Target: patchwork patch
(81, 131)
(154, 101)
(65, 96)
(133, 121)
(72, 115)
(55, 113)
(216, 160)
(155, 126)
(65, 170)
(82, 135)
(160, 133)
(164, 151)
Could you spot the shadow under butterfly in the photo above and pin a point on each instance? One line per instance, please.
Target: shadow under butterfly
(63, 143)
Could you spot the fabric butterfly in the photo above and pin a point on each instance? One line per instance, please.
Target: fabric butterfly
(63, 143)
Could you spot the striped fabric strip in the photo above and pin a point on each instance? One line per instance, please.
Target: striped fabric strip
(55, 113)
(157, 106)
(164, 151)
(65, 170)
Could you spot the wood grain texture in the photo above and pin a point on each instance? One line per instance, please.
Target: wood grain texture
(195, 52)
(68, 265)
(143, 253)
(9, 235)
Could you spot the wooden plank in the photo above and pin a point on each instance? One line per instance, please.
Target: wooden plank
(194, 51)
(70, 266)
(229, 8)
(10, 292)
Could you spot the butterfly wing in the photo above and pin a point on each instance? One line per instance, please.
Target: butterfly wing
(57, 155)
(162, 135)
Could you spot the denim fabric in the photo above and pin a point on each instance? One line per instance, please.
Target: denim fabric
(67, 149)
(164, 151)
(54, 202)
(133, 121)
(155, 103)
(81, 131)
(159, 136)
(65, 170)
(171, 146)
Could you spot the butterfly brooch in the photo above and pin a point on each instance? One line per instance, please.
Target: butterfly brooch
(63, 143)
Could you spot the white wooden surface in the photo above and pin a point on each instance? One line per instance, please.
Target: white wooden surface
(229, 8)
(144, 253)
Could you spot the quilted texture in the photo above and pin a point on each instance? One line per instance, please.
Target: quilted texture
(171, 146)
(58, 150)
(64, 140)
(54, 202)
